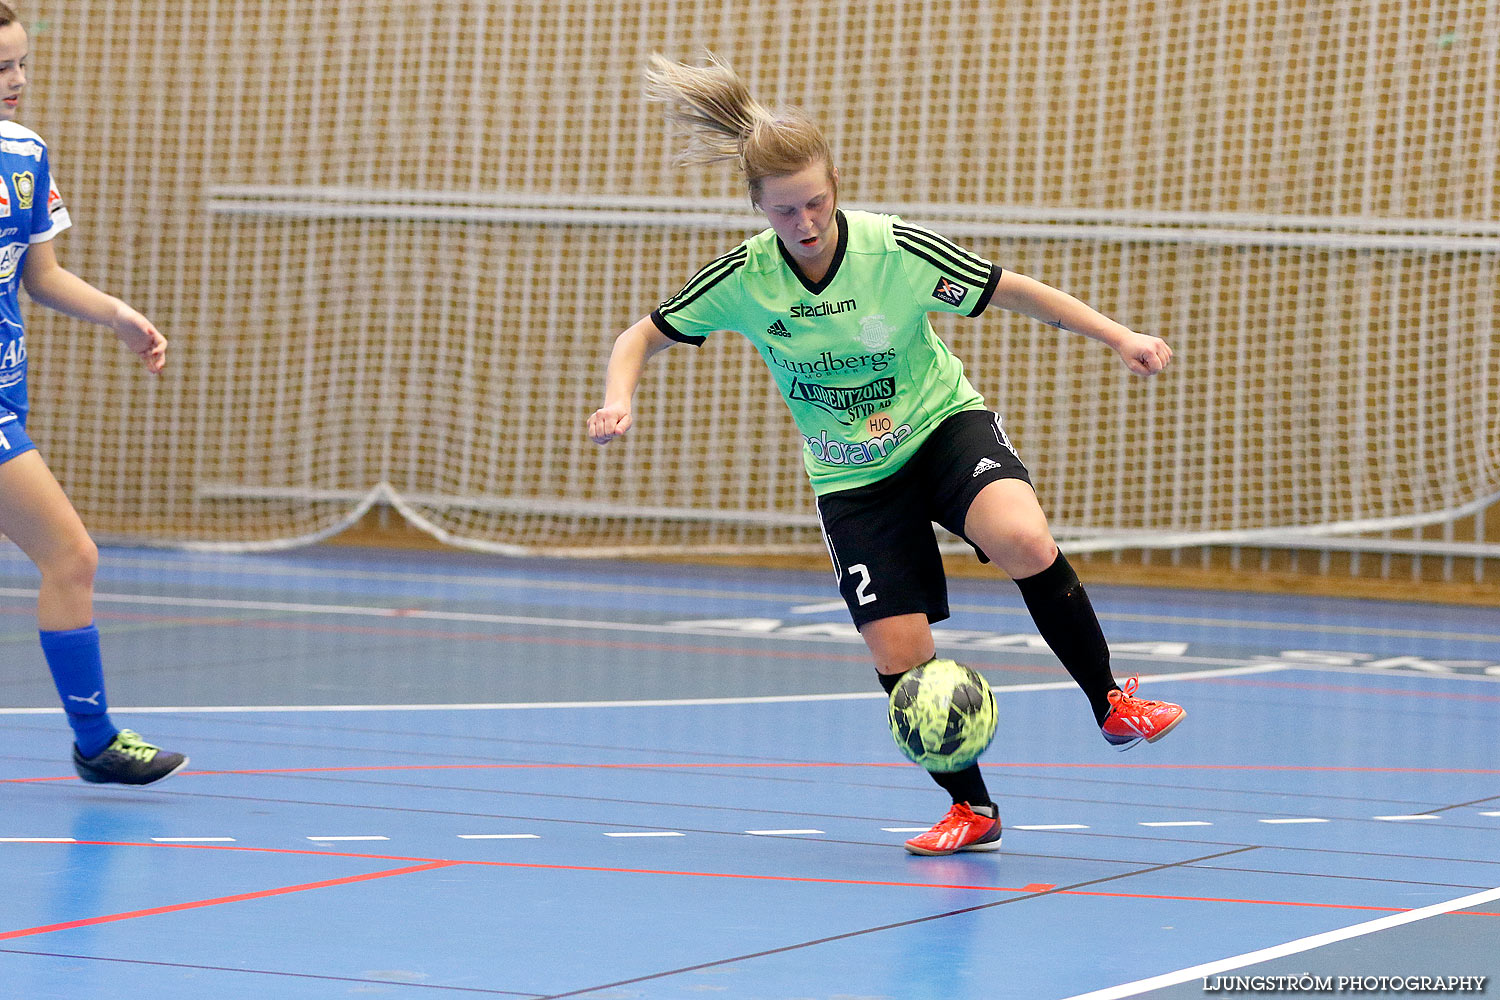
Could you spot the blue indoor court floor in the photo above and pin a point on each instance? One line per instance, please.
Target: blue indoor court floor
(430, 774)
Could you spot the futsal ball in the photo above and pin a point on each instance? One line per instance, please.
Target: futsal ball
(942, 715)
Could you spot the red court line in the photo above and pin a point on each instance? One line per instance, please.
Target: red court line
(1349, 689)
(1258, 902)
(600, 869)
(680, 765)
(219, 901)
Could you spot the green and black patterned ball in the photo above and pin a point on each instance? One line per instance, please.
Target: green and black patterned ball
(942, 715)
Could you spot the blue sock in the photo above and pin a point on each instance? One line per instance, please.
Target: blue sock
(78, 672)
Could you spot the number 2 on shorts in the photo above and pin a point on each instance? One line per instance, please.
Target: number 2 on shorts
(863, 572)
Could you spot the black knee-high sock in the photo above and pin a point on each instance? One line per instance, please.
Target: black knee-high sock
(964, 786)
(1066, 619)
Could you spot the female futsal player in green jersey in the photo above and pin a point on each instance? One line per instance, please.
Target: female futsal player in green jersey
(894, 436)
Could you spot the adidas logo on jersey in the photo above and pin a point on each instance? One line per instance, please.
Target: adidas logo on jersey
(778, 329)
(985, 465)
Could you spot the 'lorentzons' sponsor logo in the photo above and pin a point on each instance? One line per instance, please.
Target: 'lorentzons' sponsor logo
(835, 398)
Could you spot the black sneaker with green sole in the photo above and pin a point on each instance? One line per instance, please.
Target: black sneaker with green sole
(128, 760)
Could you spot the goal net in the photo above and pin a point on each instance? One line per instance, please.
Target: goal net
(391, 242)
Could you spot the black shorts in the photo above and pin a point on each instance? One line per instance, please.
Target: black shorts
(880, 536)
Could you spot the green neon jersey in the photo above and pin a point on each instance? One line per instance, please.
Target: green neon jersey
(854, 355)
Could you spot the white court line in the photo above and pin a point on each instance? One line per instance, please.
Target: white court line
(331, 839)
(498, 836)
(1311, 627)
(1051, 826)
(367, 611)
(239, 566)
(688, 628)
(1289, 948)
(1190, 675)
(505, 582)
(1179, 822)
(1402, 819)
(37, 840)
(1490, 814)
(905, 829)
(647, 833)
(1300, 819)
(468, 707)
(780, 833)
(845, 636)
(193, 840)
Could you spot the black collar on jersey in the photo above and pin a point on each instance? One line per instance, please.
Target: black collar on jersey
(833, 265)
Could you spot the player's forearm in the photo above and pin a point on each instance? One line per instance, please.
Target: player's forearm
(1057, 308)
(67, 293)
(627, 361)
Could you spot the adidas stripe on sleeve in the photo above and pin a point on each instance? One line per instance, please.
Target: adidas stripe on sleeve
(945, 276)
(706, 303)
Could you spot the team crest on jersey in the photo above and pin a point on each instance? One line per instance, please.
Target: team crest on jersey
(874, 333)
(25, 188)
(949, 291)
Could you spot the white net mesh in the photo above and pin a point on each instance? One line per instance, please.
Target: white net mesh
(392, 240)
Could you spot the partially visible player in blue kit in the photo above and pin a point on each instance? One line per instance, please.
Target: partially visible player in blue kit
(34, 511)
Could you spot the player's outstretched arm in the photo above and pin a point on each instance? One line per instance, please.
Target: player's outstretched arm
(633, 348)
(1142, 353)
(55, 287)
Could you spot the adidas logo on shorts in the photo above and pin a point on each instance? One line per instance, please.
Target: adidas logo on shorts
(985, 465)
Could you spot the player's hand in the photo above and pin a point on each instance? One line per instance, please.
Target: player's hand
(608, 423)
(1144, 354)
(136, 332)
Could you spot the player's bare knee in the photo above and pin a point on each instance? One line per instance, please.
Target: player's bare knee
(900, 656)
(1023, 553)
(900, 664)
(1038, 553)
(896, 652)
(74, 564)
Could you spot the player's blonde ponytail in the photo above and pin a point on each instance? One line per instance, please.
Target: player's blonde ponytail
(713, 108)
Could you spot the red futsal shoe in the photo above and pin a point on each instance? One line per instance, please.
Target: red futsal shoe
(963, 829)
(1133, 719)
